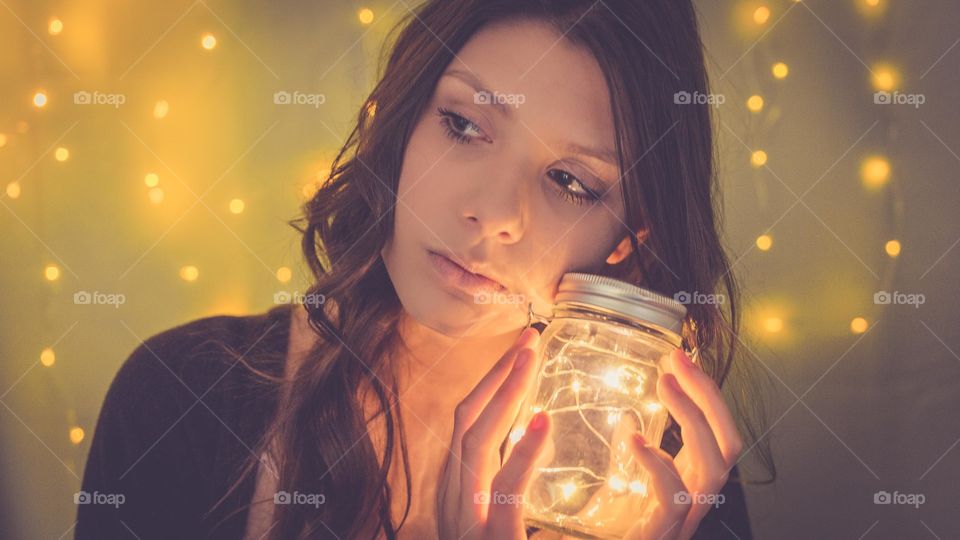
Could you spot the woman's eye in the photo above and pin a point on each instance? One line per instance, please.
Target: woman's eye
(572, 188)
(456, 126)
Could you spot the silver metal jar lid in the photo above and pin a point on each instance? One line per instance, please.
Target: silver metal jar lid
(622, 297)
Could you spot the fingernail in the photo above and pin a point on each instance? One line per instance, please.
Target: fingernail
(639, 439)
(538, 421)
(685, 359)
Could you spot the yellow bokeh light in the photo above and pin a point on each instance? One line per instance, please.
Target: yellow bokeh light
(13, 190)
(3, 140)
(284, 274)
(189, 273)
(761, 15)
(365, 15)
(151, 179)
(51, 272)
(764, 242)
(780, 70)
(755, 103)
(208, 41)
(237, 206)
(156, 195)
(758, 158)
(884, 78)
(160, 109)
(892, 247)
(872, 3)
(40, 99)
(47, 357)
(61, 154)
(55, 26)
(875, 171)
(76, 435)
(773, 324)
(858, 325)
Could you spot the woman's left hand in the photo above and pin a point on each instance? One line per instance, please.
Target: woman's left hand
(685, 488)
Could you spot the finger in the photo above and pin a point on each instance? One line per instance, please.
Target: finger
(473, 404)
(505, 514)
(480, 459)
(698, 437)
(703, 390)
(670, 509)
(466, 413)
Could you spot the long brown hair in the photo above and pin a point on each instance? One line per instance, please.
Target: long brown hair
(648, 50)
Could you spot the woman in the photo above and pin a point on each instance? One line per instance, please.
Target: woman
(508, 142)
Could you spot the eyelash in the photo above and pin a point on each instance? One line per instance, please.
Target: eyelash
(447, 117)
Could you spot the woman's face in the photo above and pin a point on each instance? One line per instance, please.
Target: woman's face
(512, 189)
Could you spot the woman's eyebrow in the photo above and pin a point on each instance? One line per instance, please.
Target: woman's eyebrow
(480, 88)
(605, 154)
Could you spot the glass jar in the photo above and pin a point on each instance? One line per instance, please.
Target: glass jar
(598, 365)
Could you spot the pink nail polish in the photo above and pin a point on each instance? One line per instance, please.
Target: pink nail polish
(538, 421)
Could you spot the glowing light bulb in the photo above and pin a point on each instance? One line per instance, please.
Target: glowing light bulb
(208, 41)
(872, 3)
(13, 190)
(755, 103)
(160, 109)
(617, 484)
(76, 435)
(284, 274)
(875, 171)
(764, 241)
(61, 154)
(237, 206)
(761, 15)
(780, 70)
(773, 325)
(858, 325)
(365, 15)
(47, 357)
(51, 272)
(151, 179)
(568, 489)
(612, 379)
(892, 248)
(189, 273)
(758, 159)
(884, 78)
(40, 99)
(55, 26)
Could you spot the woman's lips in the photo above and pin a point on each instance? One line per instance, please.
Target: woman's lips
(456, 276)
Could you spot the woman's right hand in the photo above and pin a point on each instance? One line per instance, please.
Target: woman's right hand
(477, 497)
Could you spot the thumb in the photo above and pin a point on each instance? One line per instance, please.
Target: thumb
(505, 514)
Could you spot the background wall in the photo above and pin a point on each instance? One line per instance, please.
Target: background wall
(160, 194)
